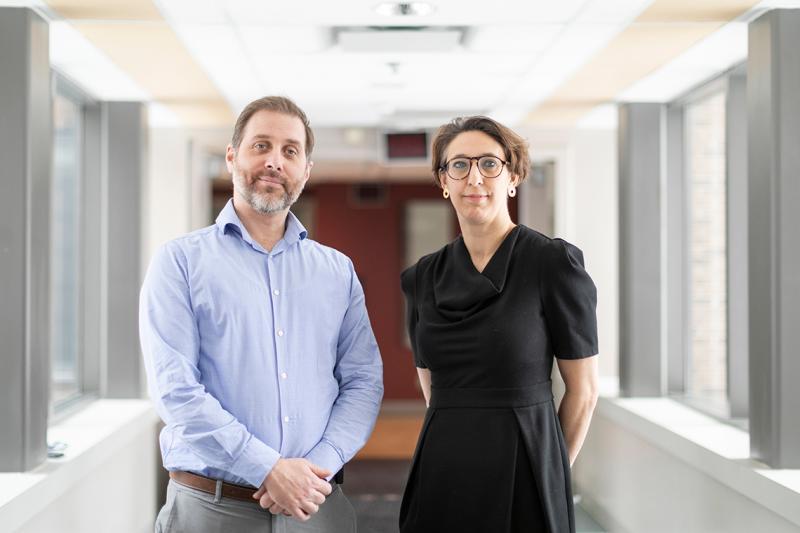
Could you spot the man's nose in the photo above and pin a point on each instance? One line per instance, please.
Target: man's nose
(273, 161)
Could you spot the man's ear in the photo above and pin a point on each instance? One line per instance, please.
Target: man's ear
(309, 166)
(230, 155)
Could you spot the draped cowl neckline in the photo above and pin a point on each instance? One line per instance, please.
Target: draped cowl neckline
(459, 289)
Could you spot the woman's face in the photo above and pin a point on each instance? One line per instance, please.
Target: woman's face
(476, 198)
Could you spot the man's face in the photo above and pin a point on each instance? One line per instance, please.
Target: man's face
(270, 167)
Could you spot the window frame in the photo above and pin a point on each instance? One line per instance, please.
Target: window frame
(89, 267)
(678, 271)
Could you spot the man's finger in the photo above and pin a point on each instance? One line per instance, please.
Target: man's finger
(319, 471)
(259, 493)
(309, 507)
(323, 486)
(266, 501)
(316, 497)
(300, 514)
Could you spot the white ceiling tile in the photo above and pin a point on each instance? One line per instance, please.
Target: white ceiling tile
(362, 12)
(218, 50)
(193, 11)
(271, 40)
(520, 38)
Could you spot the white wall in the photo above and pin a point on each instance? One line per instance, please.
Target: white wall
(635, 476)
(106, 480)
(177, 195)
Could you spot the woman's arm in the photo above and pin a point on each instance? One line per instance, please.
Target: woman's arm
(580, 398)
(425, 384)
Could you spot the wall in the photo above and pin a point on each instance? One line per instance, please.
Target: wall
(634, 475)
(106, 480)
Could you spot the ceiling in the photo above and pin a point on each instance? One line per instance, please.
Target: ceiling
(535, 62)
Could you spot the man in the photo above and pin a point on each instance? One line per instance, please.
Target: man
(259, 353)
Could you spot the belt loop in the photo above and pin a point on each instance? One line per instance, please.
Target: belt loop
(218, 491)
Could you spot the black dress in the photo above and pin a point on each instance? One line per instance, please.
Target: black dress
(491, 456)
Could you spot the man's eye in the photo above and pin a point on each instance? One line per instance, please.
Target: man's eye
(292, 152)
(260, 146)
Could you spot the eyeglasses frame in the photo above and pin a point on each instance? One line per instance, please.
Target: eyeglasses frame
(477, 159)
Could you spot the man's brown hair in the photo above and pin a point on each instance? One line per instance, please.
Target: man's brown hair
(279, 104)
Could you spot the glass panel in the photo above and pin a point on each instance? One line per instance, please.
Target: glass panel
(65, 257)
(707, 361)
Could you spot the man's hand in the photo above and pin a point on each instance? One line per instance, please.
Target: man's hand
(266, 501)
(294, 486)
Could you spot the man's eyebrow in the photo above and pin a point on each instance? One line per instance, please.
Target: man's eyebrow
(260, 136)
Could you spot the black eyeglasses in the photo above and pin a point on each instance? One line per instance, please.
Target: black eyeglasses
(459, 168)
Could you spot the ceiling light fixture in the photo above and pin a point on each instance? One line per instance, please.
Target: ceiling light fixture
(404, 9)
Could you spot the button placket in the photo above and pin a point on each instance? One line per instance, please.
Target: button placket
(280, 334)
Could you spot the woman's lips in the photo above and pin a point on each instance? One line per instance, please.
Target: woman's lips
(475, 197)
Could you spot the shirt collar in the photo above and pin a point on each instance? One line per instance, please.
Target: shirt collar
(228, 219)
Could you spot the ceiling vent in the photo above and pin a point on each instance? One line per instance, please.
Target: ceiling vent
(399, 39)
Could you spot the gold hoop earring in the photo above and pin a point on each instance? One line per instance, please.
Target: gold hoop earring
(445, 193)
(512, 192)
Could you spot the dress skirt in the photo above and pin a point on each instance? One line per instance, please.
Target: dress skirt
(489, 460)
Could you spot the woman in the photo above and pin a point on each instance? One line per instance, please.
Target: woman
(486, 315)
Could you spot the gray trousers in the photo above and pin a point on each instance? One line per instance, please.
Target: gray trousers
(192, 511)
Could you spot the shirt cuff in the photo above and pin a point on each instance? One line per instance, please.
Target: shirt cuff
(324, 454)
(255, 462)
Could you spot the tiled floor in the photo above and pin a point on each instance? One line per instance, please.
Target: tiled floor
(376, 486)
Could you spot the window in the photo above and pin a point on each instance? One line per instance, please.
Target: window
(65, 265)
(74, 246)
(705, 361)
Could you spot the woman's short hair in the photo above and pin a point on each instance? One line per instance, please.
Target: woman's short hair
(514, 147)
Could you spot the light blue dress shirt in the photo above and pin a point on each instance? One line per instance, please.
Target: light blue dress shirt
(254, 355)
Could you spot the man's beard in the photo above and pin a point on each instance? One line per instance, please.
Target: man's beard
(263, 202)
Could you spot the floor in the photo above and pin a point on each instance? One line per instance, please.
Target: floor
(375, 487)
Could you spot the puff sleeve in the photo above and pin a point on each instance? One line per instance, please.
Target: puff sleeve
(569, 299)
(408, 282)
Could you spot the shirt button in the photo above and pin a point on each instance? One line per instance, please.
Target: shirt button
(285, 418)
(284, 375)
(276, 292)
(280, 333)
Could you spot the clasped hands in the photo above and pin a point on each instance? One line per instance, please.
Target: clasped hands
(294, 487)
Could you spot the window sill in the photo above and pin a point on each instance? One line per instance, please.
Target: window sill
(93, 435)
(719, 450)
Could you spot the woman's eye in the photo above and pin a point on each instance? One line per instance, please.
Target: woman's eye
(459, 165)
(489, 163)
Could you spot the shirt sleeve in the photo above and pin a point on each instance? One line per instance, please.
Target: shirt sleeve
(408, 283)
(359, 371)
(569, 298)
(170, 344)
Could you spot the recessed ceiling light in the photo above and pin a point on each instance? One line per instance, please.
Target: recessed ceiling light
(404, 9)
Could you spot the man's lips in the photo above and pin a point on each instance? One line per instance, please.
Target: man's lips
(271, 179)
